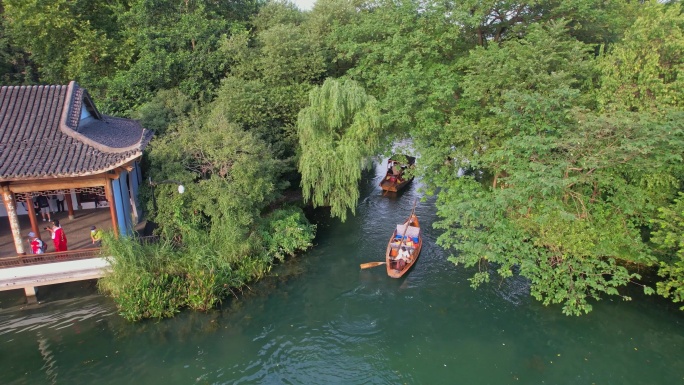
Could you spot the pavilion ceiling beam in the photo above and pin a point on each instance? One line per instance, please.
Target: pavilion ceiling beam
(56, 184)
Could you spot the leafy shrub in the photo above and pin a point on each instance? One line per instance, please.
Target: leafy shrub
(668, 239)
(159, 279)
(285, 232)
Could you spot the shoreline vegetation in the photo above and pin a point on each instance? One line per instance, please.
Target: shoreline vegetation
(551, 133)
(159, 279)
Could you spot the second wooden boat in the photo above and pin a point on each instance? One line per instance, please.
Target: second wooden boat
(396, 177)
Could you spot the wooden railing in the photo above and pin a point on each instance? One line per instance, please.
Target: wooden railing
(38, 259)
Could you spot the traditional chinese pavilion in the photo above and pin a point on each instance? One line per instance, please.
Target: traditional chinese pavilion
(54, 141)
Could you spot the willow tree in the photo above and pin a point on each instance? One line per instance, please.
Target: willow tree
(337, 131)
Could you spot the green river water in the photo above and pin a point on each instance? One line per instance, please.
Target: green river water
(322, 320)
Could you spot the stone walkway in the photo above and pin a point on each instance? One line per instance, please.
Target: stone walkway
(31, 277)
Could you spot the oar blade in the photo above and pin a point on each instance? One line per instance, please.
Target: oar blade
(371, 264)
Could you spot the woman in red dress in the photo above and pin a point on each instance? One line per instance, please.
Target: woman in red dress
(58, 236)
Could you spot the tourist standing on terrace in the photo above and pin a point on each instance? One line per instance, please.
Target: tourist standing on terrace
(44, 207)
(58, 236)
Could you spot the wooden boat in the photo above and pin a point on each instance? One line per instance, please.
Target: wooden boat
(395, 179)
(405, 235)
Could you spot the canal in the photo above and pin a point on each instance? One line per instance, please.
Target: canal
(321, 320)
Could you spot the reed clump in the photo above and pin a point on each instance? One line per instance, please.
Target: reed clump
(159, 279)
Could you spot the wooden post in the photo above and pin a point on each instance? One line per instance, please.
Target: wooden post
(32, 216)
(112, 206)
(70, 204)
(31, 297)
(8, 199)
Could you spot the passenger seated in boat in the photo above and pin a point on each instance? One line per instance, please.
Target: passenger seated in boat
(403, 258)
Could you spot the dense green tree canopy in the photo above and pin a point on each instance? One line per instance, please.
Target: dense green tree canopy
(273, 68)
(534, 173)
(174, 45)
(229, 173)
(67, 39)
(124, 51)
(550, 131)
(642, 71)
(559, 192)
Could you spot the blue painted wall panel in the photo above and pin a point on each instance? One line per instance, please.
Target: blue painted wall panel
(134, 180)
(120, 200)
(126, 198)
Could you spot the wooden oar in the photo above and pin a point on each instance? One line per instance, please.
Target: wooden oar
(371, 264)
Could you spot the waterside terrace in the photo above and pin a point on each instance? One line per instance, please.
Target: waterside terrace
(81, 262)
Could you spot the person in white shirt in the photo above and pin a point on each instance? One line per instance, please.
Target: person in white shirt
(59, 199)
(402, 258)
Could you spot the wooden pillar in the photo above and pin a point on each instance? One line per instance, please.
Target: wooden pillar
(70, 204)
(32, 216)
(112, 206)
(10, 206)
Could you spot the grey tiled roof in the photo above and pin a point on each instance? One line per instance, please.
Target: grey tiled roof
(41, 135)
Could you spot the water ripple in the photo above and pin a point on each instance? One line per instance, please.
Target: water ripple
(329, 323)
(56, 315)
